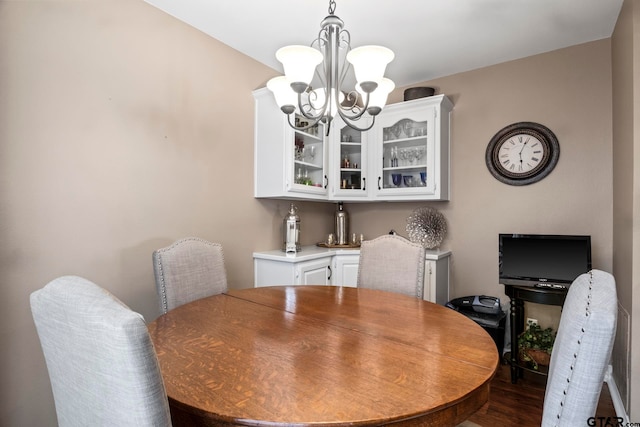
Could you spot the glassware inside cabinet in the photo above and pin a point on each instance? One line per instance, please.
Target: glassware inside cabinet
(350, 159)
(308, 153)
(405, 154)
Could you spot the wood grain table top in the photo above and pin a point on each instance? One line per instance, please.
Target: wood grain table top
(321, 356)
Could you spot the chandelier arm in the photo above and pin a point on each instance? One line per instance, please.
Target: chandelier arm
(360, 111)
(305, 109)
(322, 41)
(344, 41)
(314, 122)
(350, 102)
(319, 111)
(348, 121)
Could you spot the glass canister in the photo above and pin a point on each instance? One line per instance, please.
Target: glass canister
(291, 231)
(342, 225)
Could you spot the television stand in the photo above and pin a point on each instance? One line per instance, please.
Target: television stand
(519, 295)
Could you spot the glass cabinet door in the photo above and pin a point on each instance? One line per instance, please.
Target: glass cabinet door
(406, 154)
(309, 159)
(349, 161)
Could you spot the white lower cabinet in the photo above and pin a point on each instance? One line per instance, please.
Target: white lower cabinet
(316, 272)
(436, 279)
(345, 269)
(339, 267)
(275, 268)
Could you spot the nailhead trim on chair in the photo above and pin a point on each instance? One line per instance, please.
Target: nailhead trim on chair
(163, 287)
(575, 355)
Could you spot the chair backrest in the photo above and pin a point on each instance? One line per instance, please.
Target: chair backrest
(392, 263)
(102, 364)
(189, 269)
(581, 351)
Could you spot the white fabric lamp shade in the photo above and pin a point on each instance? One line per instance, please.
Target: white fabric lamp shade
(369, 62)
(284, 95)
(378, 98)
(299, 63)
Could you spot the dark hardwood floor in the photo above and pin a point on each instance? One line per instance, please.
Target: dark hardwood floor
(521, 404)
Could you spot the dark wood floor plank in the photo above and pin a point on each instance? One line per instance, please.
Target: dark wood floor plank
(521, 404)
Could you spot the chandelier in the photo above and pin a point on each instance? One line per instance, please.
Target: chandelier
(330, 58)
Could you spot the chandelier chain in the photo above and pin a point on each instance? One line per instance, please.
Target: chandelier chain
(332, 7)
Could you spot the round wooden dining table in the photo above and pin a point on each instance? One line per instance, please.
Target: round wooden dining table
(321, 356)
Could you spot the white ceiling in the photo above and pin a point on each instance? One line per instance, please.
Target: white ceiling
(431, 38)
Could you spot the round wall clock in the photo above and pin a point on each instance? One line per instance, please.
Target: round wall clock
(522, 153)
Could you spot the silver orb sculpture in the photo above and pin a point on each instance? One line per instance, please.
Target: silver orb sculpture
(426, 227)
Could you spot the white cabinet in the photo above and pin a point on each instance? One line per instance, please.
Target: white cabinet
(405, 155)
(275, 268)
(345, 269)
(349, 162)
(412, 150)
(339, 267)
(316, 272)
(287, 163)
(436, 279)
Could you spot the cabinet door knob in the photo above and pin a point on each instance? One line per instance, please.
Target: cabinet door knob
(326, 181)
(364, 184)
(379, 178)
(329, 268)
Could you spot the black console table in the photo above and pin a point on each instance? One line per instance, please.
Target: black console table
(518, 296)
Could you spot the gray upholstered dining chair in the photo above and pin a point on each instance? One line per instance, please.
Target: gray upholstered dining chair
(392, 263)
(582, 350)
(189, 269)
(102, 364)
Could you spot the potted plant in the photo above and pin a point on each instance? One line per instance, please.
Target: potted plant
(535, 345)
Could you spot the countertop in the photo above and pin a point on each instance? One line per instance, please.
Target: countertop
(314, 252)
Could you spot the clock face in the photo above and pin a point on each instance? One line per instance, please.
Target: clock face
(522, 153)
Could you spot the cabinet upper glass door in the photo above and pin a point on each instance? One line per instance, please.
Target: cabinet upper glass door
(406, 157)
(309, 158)
(349, 164)
(352, 161)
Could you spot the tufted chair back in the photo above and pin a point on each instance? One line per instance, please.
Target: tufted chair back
(101, 361)
(582, 350)
(189, 269)
(392, 263)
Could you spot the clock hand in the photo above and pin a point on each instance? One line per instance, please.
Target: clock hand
(523, 145)
(521, 150)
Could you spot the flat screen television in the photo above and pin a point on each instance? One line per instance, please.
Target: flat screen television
(541, 260)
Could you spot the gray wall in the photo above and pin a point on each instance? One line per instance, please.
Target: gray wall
(122, 129)
(626, 196)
